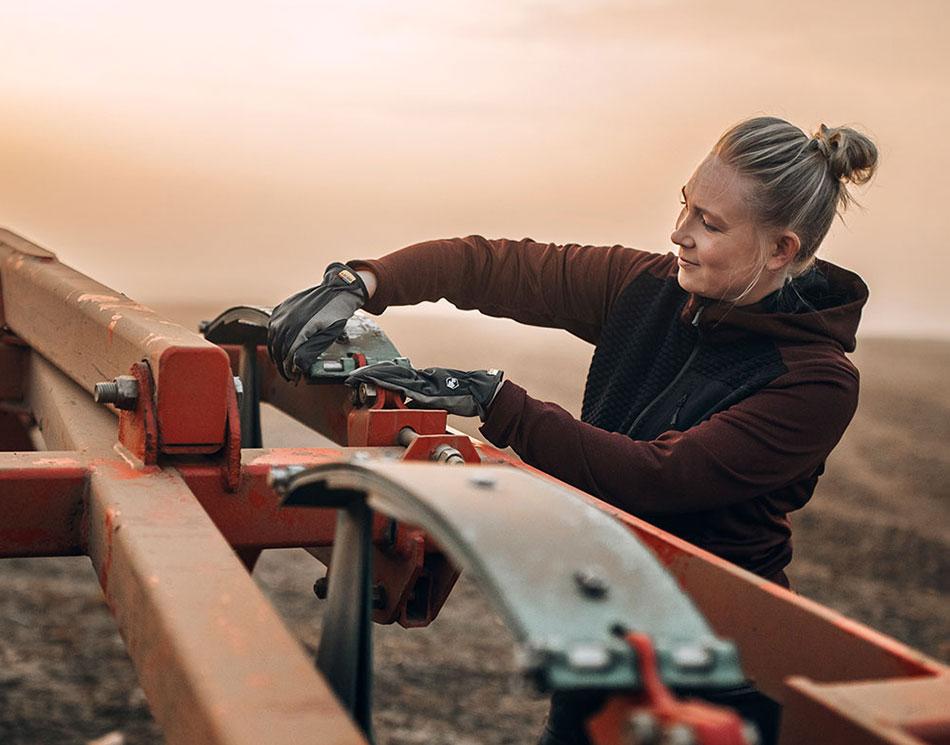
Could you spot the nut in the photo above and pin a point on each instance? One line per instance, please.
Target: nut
(122, 392)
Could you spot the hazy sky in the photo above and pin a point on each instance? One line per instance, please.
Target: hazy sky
(227, 151)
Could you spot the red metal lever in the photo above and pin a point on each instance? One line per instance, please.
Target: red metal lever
(654, 714)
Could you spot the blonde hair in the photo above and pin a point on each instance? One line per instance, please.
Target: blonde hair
(802, 180)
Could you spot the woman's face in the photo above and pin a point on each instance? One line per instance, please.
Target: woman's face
(720, 246)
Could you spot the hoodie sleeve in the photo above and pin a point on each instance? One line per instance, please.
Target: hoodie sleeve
(770, 439)
(571, 286)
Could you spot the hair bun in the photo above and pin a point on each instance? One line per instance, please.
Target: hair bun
(852, 157)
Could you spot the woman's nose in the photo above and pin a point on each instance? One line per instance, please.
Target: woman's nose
(681, 238)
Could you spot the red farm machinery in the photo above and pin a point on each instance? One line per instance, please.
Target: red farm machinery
(154, 468)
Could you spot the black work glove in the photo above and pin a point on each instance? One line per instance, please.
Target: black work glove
(456, 391)
(304, 325)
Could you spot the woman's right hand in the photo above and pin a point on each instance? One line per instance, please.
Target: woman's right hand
(304, 325)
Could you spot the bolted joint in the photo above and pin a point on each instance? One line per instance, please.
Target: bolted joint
(364, 395)
(321, 589)
(122, 392)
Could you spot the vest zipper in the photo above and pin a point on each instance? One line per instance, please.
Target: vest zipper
(676, 411)
(682, 371)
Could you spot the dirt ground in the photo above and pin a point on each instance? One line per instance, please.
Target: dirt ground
(873, 544)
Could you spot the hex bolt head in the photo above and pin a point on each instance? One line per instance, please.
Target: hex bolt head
(365, 394)
(642, 729)
(321, 589)
(278, 478)
(678, 734)
(122, 392)
(693, 657)
(591, 583)
(587, 657)
(751, 733)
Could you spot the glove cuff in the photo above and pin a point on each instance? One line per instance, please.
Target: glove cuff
(348, 279)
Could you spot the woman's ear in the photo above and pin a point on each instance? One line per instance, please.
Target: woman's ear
(784, 250)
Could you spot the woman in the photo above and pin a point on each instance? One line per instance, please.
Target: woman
(719, 382)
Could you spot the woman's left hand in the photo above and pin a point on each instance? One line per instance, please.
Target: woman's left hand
(456, 391)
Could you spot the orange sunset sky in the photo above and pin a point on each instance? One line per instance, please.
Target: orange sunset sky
(227, 151)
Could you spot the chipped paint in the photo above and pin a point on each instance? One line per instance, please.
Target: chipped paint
(89, 297)
(116, 317)
(57, 463)
(295, 456)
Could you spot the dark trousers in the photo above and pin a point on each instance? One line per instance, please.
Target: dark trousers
(570, 711)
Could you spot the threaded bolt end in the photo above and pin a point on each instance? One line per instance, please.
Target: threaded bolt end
(106, 393)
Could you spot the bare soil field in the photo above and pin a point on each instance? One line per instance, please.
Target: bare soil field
(873, 543)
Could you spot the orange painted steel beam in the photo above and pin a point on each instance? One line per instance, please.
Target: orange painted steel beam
(908, 712)
(43, 501)
(94, 333)
(213, 658)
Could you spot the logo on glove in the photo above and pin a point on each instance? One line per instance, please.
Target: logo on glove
(452, 383)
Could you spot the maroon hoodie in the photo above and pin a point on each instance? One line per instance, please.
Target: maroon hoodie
(711, 421)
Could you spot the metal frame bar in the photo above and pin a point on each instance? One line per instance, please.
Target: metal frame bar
(97, 334)
(215, 661)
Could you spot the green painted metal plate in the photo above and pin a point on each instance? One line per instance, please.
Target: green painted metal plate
(569, 579)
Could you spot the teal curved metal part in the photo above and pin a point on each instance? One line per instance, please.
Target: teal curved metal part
(569, 579)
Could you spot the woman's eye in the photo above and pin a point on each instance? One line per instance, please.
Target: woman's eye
(710, 228)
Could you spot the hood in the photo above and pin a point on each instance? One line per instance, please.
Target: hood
(824, 304)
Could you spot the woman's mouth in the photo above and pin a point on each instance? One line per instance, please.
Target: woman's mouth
(685, 262)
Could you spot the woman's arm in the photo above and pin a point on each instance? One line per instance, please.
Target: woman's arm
(570, 286)
(773, 438)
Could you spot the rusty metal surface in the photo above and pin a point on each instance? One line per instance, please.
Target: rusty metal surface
(895, 712)
(94, 333)
(65, 413)
(323, 408)
(42, 497)
(215, 661)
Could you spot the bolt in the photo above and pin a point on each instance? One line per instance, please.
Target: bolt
(238, 389)
(322, 587)
(693, 657)
(678, 734)
(591, 583)
(366, 394)
(203, 326)
(279, 477)
(642, 729)
(482, 482)
(122, 392)
(447, 454)
(588, 657)
(750, 733)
